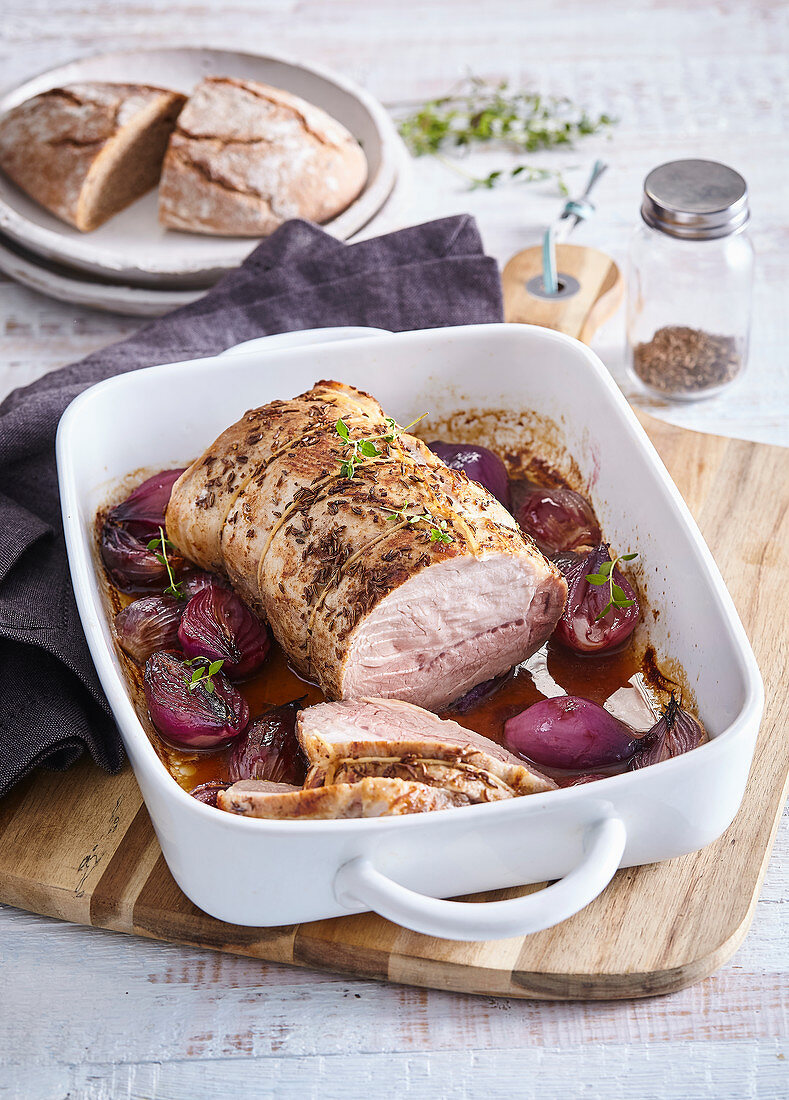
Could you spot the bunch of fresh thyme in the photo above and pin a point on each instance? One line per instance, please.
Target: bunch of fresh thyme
(480, 112)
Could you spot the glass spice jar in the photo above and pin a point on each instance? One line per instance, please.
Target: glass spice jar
(690, 281)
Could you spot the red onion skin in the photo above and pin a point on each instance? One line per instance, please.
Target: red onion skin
(479, 464)
(148, 625)
(196, 719)
(196, 580)
(674, 733)
(131, 565)
(572, 733)
(207, 792)
(475, 695)
(565, 562)
(559, 521)
(269, 749)
(578, 628)
(143, 511)
(218, 624)
(129, 528)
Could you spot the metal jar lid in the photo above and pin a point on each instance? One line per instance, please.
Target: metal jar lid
(695, 200)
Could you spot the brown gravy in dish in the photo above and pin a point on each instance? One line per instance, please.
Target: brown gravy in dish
(595, 678)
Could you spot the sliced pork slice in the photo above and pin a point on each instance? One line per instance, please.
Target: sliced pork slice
(405, 580)
(445, 629)
(347, 740)
(368, 798)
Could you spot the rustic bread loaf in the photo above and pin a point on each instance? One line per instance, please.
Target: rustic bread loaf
(86, 151)
(245, 157)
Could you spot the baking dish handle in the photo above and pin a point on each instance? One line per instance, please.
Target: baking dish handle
(359, 883)
(278, 341)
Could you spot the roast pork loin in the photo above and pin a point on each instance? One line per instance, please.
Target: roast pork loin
(368, 798)
(351, 739)
(406, 580)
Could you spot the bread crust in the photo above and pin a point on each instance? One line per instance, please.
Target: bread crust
(245, 157)
(59, 145)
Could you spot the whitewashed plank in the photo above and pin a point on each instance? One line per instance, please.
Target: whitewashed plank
(138, 1001)
(682, 1071)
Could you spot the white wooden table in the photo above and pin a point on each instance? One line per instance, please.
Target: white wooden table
(89, 1014)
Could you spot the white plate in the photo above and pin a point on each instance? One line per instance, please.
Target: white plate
(70, 285)
(133, 246)
(283, 872)
(66, 285)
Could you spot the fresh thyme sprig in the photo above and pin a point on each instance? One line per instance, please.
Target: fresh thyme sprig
(203, 673)
(605, 575)
(527, 173)
(160, 547)
(480, 112)
(359, 449)
(438, 526)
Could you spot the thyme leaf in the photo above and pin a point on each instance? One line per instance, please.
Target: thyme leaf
(160, 547)
(616, 594)
(203, 673)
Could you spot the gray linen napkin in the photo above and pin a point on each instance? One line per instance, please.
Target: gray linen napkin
(427, 276)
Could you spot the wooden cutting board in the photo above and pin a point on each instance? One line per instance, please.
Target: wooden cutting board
(80, 846)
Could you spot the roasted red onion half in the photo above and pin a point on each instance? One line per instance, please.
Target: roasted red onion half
(269, 749)
(217, 624)
(147, 626)
(559, 521)
(131, 565)
(479, 464)
(586, 626)
(208, 715)
(572, 733)
(674, 733)
(142, 512)
(207, 792)
(195, 580)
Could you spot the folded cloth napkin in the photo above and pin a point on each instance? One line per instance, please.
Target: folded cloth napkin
(428, 276)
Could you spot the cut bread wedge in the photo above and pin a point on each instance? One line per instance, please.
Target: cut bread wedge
(87, 151)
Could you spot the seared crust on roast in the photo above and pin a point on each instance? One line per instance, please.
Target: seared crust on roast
(351, 739)
(208, 490)
(406, 580)
(368, 798)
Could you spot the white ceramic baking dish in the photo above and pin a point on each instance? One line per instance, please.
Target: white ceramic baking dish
(276, 872)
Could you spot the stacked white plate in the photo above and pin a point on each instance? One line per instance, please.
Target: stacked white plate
(134, 265)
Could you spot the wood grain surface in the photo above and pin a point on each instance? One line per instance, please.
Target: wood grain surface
(599, 294)
(96, 1016)
(80, 846)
